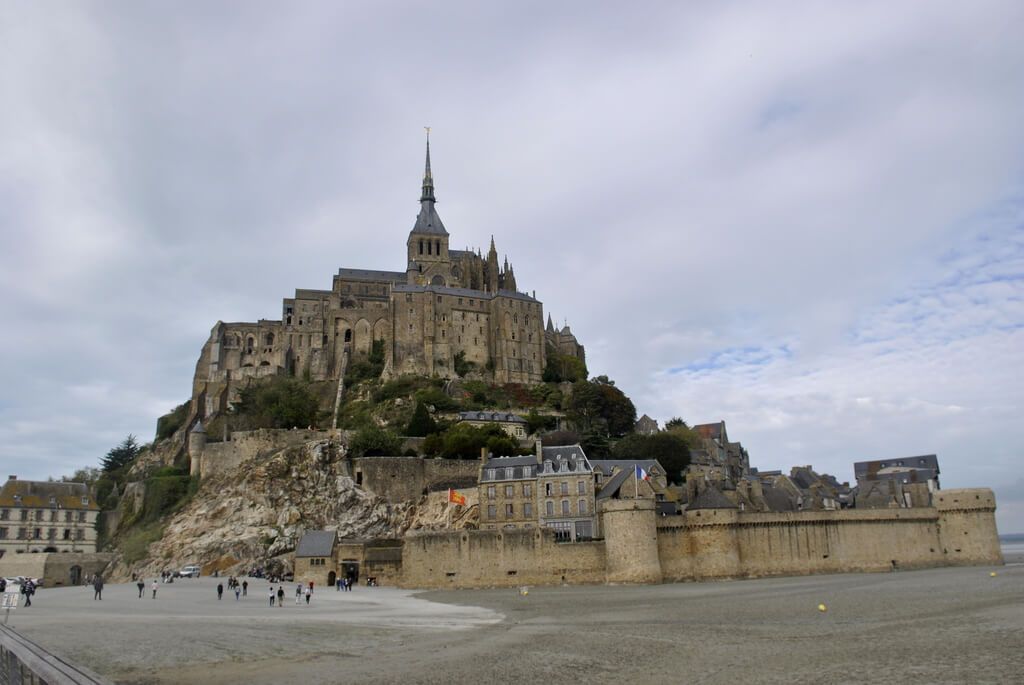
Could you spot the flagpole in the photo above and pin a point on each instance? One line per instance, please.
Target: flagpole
(636, 482)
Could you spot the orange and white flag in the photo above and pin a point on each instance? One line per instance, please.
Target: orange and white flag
(456, 498)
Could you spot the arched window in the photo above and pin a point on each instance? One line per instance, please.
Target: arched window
(550, 508)
(348, 335)
(428, 247)
(437, 247)
(269, 339)
(249, 344)
(421, 247)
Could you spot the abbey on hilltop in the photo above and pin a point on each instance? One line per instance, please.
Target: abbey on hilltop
(445, 304)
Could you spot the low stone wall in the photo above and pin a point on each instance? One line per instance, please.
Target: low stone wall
(499, 558)
(67, 568)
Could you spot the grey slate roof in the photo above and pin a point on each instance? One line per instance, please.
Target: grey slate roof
(870, 469)
(316, 543)
(612, 487)
(552, 453)
(776, 499)
(464, 292)
(372, 275)
(503, 417)
(499, 464)
(606, 466)
(711, 498)
(427, 221)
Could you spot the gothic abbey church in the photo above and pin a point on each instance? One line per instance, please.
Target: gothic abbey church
(446, 302)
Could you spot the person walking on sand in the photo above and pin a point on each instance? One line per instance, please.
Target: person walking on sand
(220, 591)
(238, 592)
(271, 595)
(311, 587)
(309, 593)
(97, 587)
(245, 587)
(298, 593)
(280, 596)
(156, 584)
(142, 586)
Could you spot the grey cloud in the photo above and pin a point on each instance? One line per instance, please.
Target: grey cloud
(676, 180)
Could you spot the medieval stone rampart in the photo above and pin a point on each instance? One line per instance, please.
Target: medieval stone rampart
(714, 543)
(503, 558)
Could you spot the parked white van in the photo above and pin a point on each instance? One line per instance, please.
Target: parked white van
(189, 572)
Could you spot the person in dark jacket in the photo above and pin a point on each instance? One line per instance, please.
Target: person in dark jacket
(97, 587)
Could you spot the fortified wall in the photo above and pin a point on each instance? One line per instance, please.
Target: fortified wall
(641, 547)
(398, 479)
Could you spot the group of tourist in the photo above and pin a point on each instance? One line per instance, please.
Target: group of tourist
(302, 592)
(240, 589)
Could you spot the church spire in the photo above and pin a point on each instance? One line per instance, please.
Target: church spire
(428, 179)
(428, 222)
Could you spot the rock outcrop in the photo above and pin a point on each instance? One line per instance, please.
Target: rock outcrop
(260, 511)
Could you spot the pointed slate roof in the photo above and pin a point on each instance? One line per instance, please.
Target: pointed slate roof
(427, 221)
(711, 498)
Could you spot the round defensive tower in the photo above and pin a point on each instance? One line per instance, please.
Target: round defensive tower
(196, 447)
(631, 541)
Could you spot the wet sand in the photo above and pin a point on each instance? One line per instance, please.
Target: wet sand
(940, 626)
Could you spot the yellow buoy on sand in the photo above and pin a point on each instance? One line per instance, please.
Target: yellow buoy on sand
(993, 574)
(822, 608)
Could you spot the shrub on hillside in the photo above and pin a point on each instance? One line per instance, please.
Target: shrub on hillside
(280, 402)
(421, 424)
(372, 441)
(168, 424)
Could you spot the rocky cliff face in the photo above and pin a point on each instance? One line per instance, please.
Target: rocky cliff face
(260, 511)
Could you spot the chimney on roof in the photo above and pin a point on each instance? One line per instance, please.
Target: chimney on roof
(539, 445)
(12, 478)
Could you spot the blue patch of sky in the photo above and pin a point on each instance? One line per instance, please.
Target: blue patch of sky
(777, 112)
(990, 250)
(733, 357)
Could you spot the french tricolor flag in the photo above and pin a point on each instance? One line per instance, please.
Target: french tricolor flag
(641, 474)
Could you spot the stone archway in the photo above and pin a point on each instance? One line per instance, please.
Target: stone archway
(332, 578)
(75, 575)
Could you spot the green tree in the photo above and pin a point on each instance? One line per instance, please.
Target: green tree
(122, 455)
(464, 441)
(421, 424)
(539, 422)
(461, 366)
(279, 403)
(675, 422)
(670, 448)
(598, 407)
(563, 368)
(374, 442)
(88, 475)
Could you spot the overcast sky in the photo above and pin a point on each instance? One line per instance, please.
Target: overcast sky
(806, 219)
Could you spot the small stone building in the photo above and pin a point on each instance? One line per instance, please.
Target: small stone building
(323, 557)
